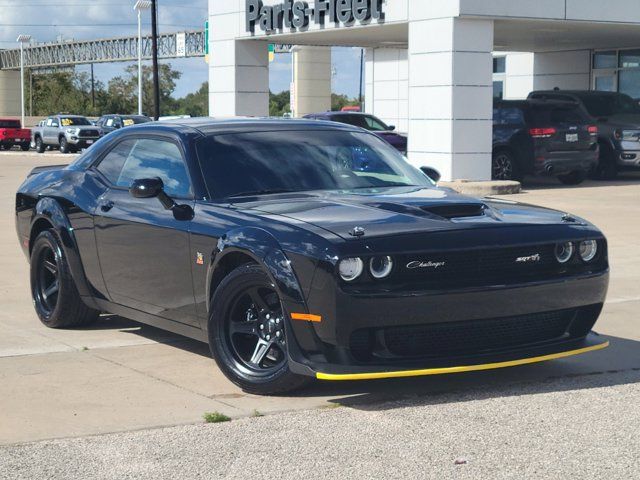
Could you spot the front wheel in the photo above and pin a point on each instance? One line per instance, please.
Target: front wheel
(573, 178)
(64, 145)
(40, 146)
(247, 333)
(55, 295)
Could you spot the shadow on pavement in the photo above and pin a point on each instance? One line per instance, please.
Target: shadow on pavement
(590, 370)
(543, 183)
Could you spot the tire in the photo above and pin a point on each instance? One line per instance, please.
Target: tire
(40, 146)
(64, 145)
(55, 295)
(234, 327)
(606, 169)
(6, 146)
(504, 166)
(25, 147)
(573, 178)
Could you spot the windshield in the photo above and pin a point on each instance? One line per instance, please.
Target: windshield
(131, 120)
(72, 121)
(293, 161)
(368, 122)
(607, 105)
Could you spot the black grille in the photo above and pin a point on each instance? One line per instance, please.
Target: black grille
(483, 267)
(464, 338)
(89, 133)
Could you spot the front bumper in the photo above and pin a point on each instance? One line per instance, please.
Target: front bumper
(591, 343)
(82, 142)
(628, 158)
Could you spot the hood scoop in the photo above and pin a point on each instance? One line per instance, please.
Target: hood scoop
(457, 210)
(449, 211)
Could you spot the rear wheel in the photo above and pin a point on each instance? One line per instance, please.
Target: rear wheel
(40, 146)
(6, 146)
(247, 334)
(25, 147)
(55, 296)
(504, 166)
(573, 178)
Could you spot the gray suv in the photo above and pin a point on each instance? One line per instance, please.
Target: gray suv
(617, 117)
(69, 133)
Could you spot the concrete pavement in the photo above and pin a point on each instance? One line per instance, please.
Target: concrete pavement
(120, 376)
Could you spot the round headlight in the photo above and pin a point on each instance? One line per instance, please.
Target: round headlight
(588, 250)
(380, 267)
(564, 252)
(350, 268)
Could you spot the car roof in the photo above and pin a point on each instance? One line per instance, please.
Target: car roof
(534, 102)
(210, 125)
(574, 92)
(340, 113)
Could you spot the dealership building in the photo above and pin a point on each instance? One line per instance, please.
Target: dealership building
(433, 67)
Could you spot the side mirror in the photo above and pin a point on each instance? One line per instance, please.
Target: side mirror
(432, 173)
(146, 188)
(391, 128)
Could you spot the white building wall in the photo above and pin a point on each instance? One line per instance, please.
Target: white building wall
(545, 71)
(387, 85)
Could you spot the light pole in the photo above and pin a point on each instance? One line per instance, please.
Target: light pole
(139, 7)
(22, 39)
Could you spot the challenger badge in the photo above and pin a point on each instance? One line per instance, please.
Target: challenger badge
(429, 264)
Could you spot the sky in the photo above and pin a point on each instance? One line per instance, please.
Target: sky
(46, 20)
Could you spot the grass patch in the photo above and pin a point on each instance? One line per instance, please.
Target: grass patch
(215, 417)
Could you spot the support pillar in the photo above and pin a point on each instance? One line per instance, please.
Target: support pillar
(450, 96)
(312, 80)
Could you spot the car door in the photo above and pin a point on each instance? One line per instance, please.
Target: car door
(50, 131)
(143, 248)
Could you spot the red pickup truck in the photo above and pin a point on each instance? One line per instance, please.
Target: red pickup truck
(12, 133)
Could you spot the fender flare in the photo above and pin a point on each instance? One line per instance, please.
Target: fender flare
(266, 251)
(50, 209)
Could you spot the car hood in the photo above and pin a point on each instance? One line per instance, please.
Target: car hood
(400, 210)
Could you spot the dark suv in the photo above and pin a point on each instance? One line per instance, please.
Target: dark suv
(618, 119)
(532, 137)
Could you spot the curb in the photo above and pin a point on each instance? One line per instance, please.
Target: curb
(483, 188)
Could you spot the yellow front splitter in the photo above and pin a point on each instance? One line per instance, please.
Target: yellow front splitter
(460, 369)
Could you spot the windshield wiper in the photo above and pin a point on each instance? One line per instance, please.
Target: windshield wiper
(260, 192)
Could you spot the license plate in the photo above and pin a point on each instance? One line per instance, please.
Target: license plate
(572, 137)
(17, 140)
(89, 142)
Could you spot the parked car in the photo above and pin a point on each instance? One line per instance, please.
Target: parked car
(261, 238)
(617, 117)
(109, 123)
(69, 133)
(368, 122)
(532, 137)
(12, 134)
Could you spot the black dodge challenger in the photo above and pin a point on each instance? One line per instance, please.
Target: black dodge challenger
(302, 249)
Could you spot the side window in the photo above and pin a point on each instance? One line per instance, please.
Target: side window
(511, 116)
(110, 122)
(111, 164)
(497, 116)
(157, 158)
(50, 122)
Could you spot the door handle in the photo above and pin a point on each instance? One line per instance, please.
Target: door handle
(106, 206)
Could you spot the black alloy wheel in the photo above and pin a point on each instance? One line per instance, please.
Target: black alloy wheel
(504, 166)
(247, 333)
(54, 292)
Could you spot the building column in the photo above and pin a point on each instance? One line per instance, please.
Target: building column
(451, 96)
(312, 80)
(238, 69)
(10, 93)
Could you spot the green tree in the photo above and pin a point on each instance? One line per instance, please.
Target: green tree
(338, 101)
(194, 104)
(279, 103)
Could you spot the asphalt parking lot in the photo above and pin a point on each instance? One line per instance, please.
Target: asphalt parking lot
(64, 393)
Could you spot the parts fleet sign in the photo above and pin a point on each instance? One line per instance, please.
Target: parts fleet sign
(293, 15)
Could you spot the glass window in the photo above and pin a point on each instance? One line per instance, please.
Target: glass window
(498, 89)
(605, 83)
(157, 158)
(511, 116)
(111, 164)
(605, 105)
(605, 59)
(629, 58)
(499, 64)
(629, 82)
(9, 124)
(72, 121)
(374, 124)
(293, 161)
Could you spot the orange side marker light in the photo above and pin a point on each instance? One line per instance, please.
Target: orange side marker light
(306, 317)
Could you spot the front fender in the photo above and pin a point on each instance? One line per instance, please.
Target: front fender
(51, 210)
(265, 250)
